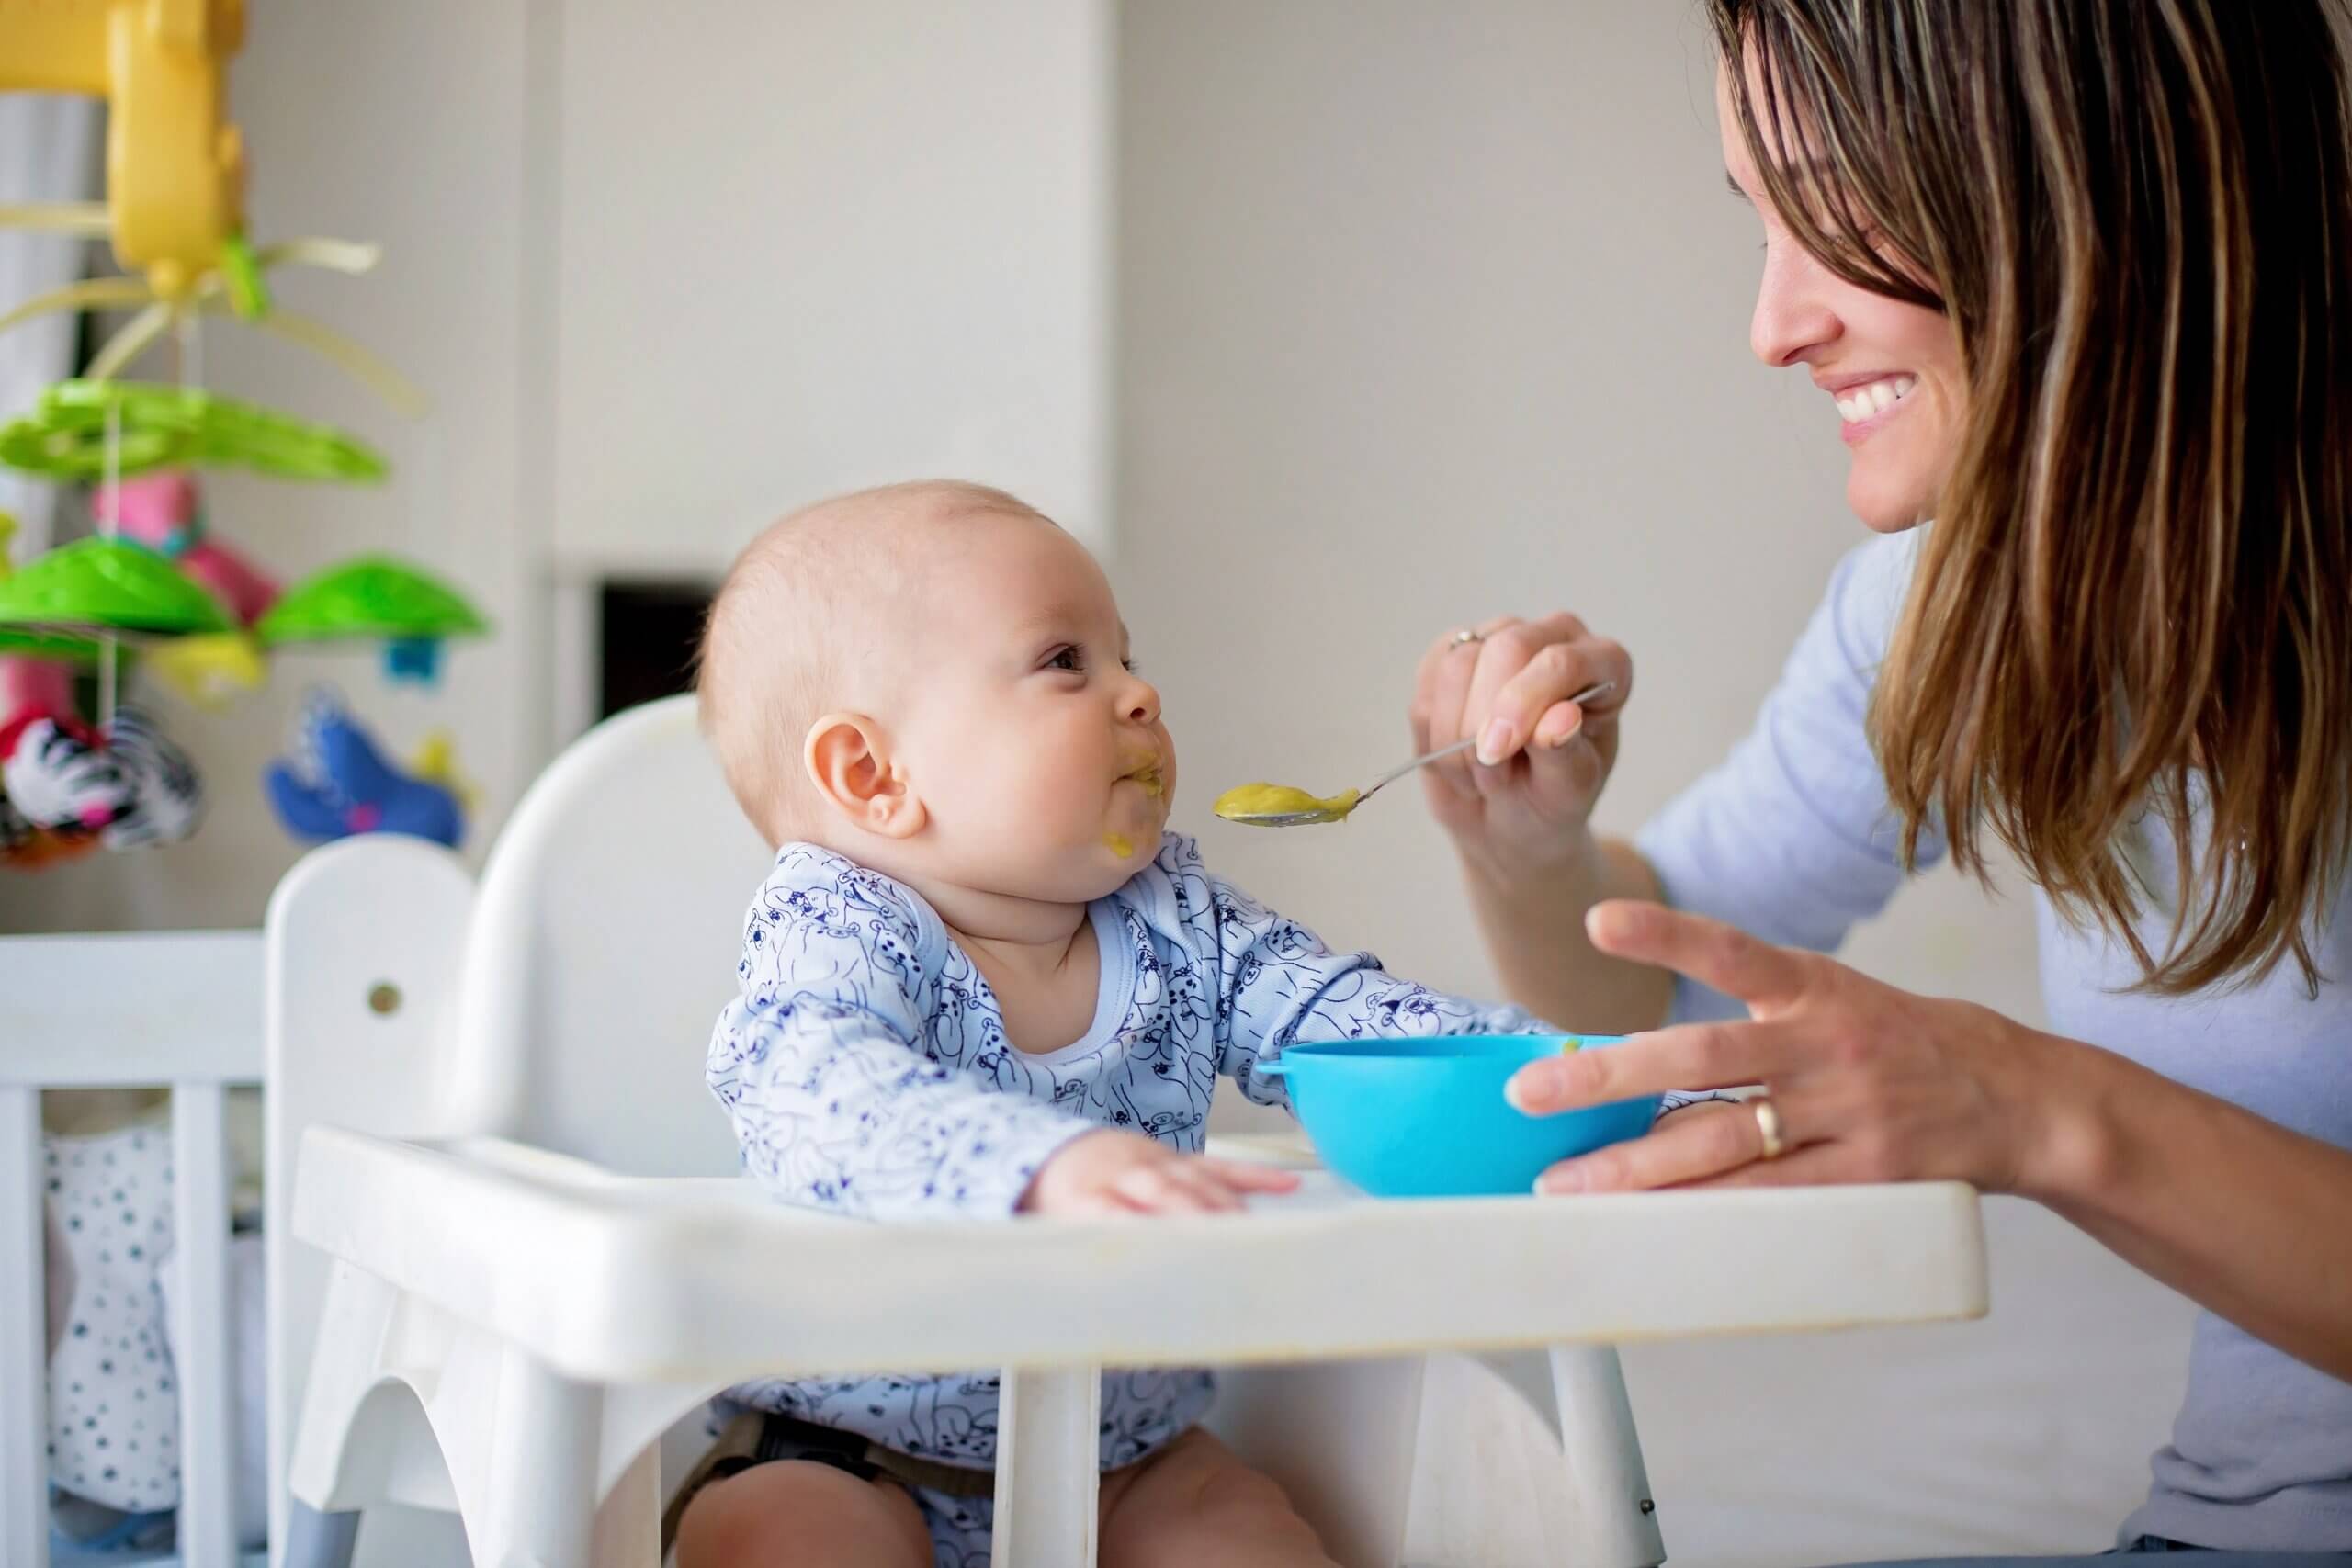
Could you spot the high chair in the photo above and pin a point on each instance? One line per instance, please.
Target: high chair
(526, 1254)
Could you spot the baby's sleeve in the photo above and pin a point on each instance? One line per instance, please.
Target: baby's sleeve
(819, 1065)
(1279, 984)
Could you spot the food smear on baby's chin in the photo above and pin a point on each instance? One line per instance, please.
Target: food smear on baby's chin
(1119, 844)
(1245, 801)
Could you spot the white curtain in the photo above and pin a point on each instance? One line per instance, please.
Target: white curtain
(49, 152)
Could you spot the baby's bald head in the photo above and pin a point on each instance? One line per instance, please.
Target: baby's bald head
(804, 623)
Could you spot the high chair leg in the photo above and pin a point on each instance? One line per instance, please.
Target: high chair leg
(1550, 1432)
(1048, 1467)
(541, 1507)
(314, 1539)
(24, 1334)
(628, 1522)
(1604, 1460)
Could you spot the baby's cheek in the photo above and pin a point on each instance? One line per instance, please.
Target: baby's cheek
(1042, 804)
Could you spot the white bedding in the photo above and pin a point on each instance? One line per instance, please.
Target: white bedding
(113, 1271)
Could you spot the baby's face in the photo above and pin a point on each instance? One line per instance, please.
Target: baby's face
(1039, 755)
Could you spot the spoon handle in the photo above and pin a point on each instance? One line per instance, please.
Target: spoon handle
(1421, 762)
(1597, 690)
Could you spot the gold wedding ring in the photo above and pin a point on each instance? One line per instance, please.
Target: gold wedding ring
(1464, 638)
(1767, 1126)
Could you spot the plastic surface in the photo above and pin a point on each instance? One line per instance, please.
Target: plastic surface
(15, 642)
(174, 164)
(108, 583)
(373, 596)
(65, 435)
(1427, 1118)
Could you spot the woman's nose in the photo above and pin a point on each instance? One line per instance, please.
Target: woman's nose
(1793, 316)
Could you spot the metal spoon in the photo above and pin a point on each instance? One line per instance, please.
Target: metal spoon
(1303, 809)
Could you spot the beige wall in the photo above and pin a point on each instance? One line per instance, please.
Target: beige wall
(1422, 313)
(1430, 313)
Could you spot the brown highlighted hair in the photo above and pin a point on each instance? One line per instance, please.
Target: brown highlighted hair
(2136, 597)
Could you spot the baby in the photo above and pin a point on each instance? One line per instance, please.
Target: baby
(982, 980)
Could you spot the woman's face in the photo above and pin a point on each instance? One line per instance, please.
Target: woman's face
(1892, 369)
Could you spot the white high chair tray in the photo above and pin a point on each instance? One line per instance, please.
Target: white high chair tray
(616, 1280)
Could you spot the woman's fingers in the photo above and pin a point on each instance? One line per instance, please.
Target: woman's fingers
(1528, 706)
(1504, 655)
(1507, 690)
(1729, 1055)
(1710, 952)
(1441, 696)
(1561, 723)
(1822, 1165)
(1704, 1143)
(1689, 1145)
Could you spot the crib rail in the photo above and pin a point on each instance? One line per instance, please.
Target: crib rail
(180, 1010)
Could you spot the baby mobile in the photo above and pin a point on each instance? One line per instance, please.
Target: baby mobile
(159, 592)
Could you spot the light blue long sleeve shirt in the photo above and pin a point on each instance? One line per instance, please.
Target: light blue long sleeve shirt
(1792, 839)
(866, 1068)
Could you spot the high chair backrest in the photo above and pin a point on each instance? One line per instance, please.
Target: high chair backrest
(603, 945)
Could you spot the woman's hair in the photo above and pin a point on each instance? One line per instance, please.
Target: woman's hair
(2136, 597)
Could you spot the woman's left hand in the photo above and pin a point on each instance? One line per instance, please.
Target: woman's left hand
(1869, 1083)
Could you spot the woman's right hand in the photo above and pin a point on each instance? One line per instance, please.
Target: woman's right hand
(1542, 759)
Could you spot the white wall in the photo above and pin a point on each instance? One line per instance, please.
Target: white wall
(1430, 313)
(812, 246)
(667, 273)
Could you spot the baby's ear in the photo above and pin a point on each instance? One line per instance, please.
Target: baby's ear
(848, 760)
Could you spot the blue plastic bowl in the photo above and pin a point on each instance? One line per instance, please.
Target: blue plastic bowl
(1427, 1118)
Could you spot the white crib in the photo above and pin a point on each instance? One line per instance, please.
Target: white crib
(184, 1011)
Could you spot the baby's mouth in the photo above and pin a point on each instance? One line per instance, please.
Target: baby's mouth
(1148, 775)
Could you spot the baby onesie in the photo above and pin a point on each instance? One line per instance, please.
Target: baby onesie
(865, 1069)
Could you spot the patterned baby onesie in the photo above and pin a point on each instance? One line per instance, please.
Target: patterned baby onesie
(865, 1069)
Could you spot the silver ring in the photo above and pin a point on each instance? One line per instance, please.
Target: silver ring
(1768, 1125)
(1464, 638)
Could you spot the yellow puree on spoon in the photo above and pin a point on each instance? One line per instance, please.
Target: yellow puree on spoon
(1282, 800)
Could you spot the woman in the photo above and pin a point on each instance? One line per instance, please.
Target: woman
(2078, 276)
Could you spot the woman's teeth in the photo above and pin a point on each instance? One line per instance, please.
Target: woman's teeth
(1858, 403)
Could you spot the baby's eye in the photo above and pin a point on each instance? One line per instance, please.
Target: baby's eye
(1065, 659)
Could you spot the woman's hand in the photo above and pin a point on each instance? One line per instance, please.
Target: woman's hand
(1868, 1083)
(1542, 759)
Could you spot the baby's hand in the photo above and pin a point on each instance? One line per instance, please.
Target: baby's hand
(1125, 1173)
